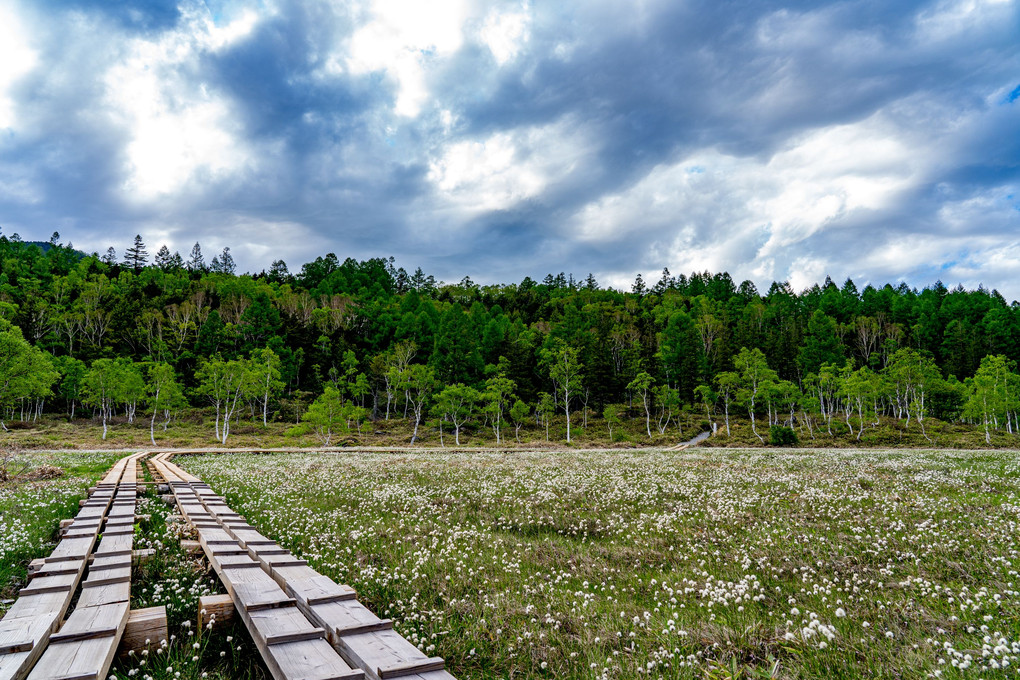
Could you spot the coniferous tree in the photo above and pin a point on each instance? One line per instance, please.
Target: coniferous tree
(164, 260)
(136, 256)
(111, 256)
(196, 262)
(278, 271)
(223, 263)
(639, 287)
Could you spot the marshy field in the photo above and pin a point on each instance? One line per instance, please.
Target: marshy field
(697, 564)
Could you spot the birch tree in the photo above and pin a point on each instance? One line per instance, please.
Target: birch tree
(642, 385)
(565, 370)
(101, 389)
(457, 404)
(164, 393)
(498, 396)
(264, 379)
(755, 378)
(222, 383)
(418, 383)
(326, 415)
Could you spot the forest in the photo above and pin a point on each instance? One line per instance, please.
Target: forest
(338, 344)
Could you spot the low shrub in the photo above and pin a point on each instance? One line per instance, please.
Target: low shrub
(782, 436)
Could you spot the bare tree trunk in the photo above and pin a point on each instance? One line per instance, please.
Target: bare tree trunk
(152, 423)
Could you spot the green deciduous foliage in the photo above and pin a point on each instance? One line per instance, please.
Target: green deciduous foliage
(519, 414)
(25, 371)
(564, 368)
(457, 405)
(101, 388)
(264, 383)
(755, 380)
(327, 415)
(498, 397)
(418, 382)
(71, 381)
(994, 395)
(363, 325)
(613, 415)
(164, 394)
(223, 384)
(641, 385)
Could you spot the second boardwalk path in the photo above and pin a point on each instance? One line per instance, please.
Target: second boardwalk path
(290, 609)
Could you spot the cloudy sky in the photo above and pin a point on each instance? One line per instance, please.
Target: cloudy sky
(774, 140)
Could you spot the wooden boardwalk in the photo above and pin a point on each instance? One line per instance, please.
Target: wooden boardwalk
(35, 640)
(305, 624)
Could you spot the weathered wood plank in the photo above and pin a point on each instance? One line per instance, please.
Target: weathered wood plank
(105, 594)
(410, 668)
(85, 643)
(144, 630)
(217, 609)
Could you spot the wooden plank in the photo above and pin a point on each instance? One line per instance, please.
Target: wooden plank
(110, 562)
(120, 544)
(108, 576)
(309, 586)
(85, 643)
(345, 615)
(72, 549)
(411, 668)
(191, 546)
(142, 556)
(308, 660)
(76, 636)
(15, 665)
(384, 649)
(144, 630)
(23, 634)
(119, 530)
(57, 568)
(37, 605)
(234, 560)
(35, 565)
(282, 624)
(274, 562)
(358, 629)
(217, 609)
(56, 583)
(105, 594)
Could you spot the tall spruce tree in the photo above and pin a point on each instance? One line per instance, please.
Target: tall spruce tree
(136, 256)
(196, 262)
(164, 260)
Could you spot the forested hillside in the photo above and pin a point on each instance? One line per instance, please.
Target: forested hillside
(342, 342)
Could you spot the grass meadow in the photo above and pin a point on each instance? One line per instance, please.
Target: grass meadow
(47, 490)
(706, 563)
(697, 564)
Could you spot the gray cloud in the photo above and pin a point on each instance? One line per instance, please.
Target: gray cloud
(775, 140)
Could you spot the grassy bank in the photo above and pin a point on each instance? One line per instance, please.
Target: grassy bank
(195, 429)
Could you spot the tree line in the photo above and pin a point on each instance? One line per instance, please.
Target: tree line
(346, 342)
